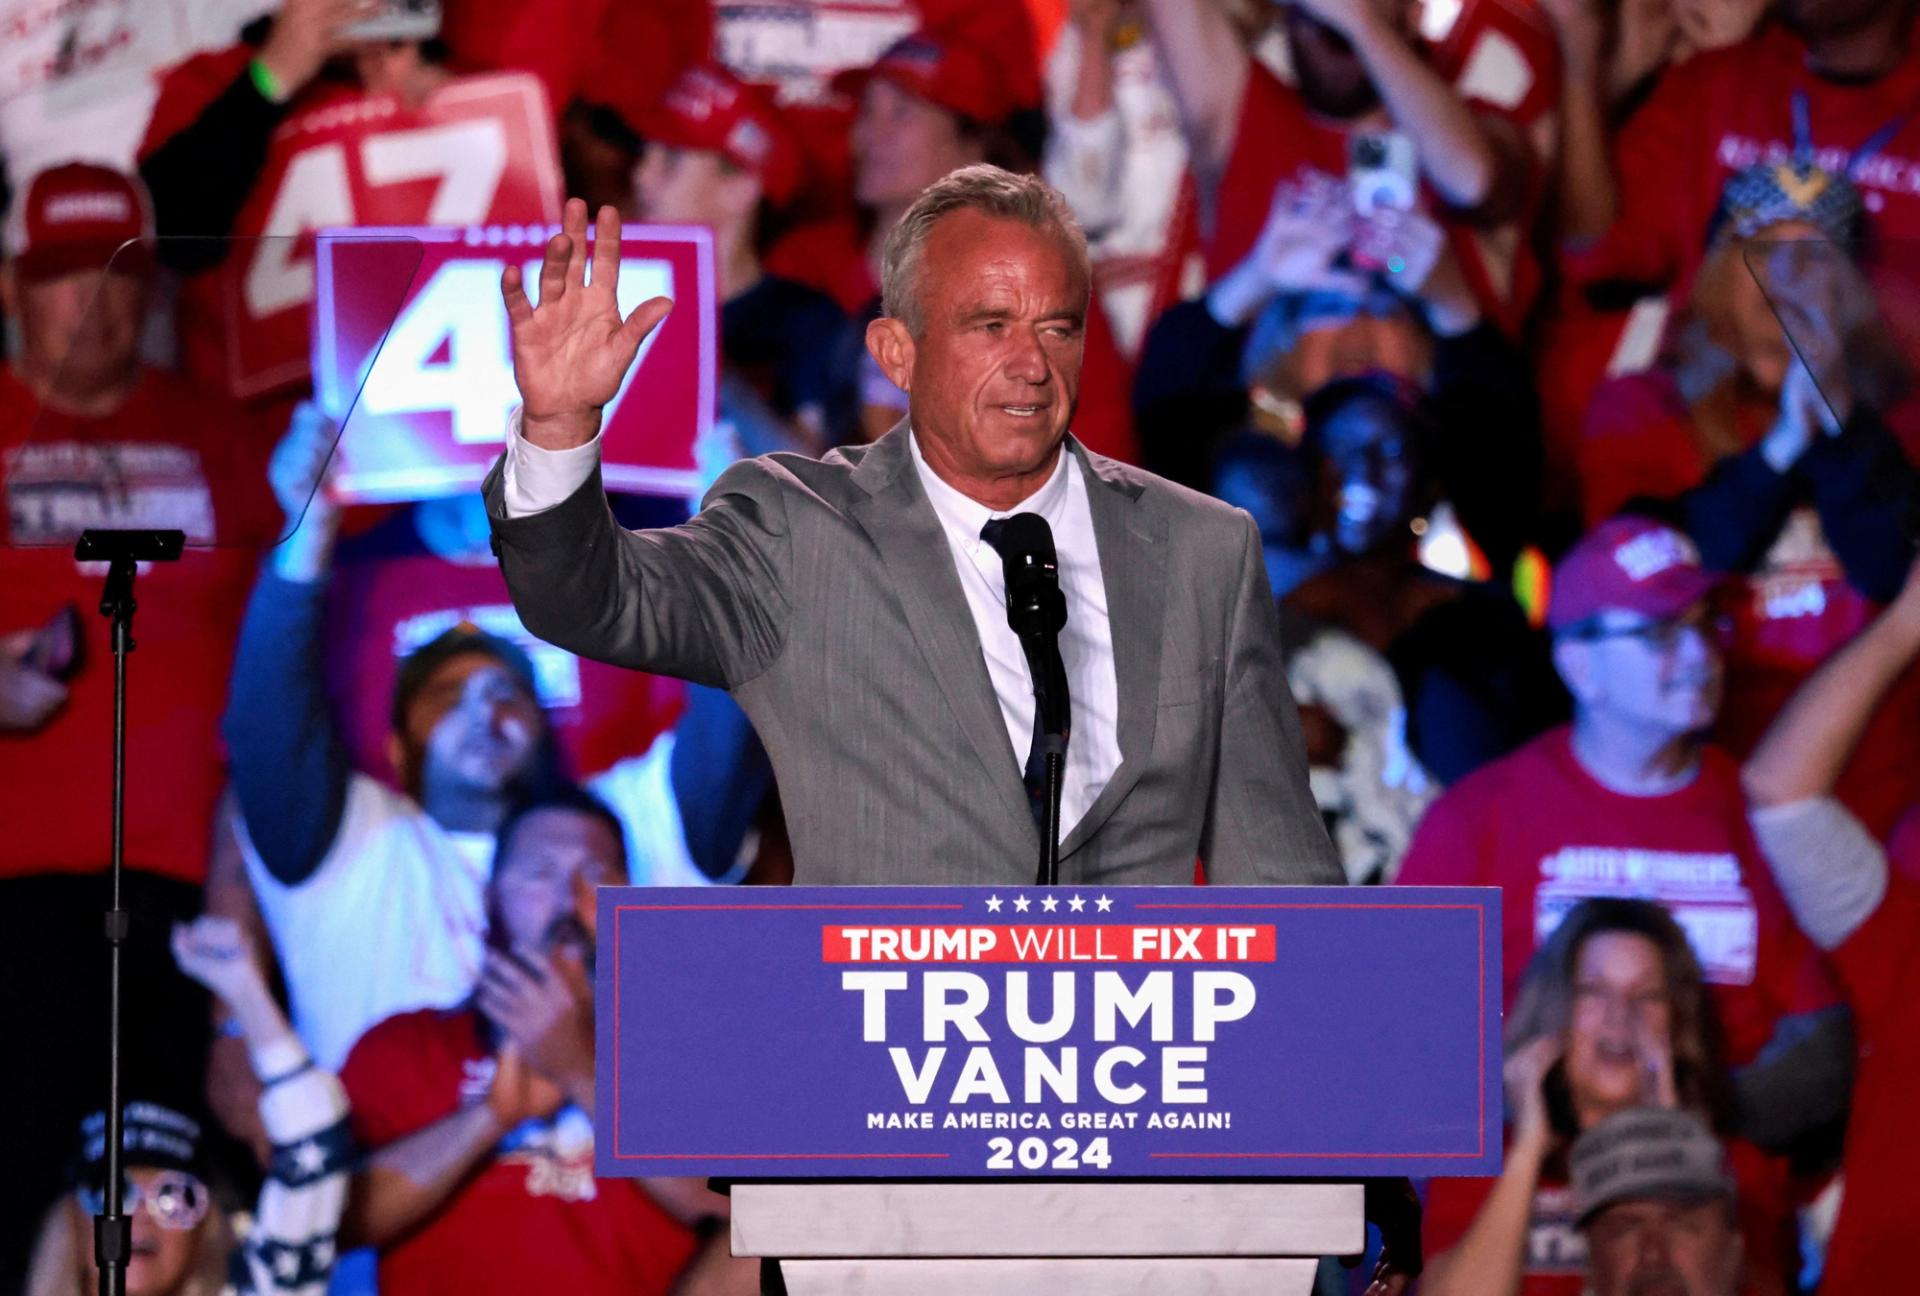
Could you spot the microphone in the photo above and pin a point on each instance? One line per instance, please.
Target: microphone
(1036, 612)
(1035, 605)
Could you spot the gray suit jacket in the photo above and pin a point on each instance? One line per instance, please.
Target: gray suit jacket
(823, 596)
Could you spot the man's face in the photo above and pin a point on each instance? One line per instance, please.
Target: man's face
(1663, 1248)
(475, 725)
(1369, 474)
(553, 856)
(80, 331)
(683, 186)
(1657, 675)
(994, 373)
(903, 143)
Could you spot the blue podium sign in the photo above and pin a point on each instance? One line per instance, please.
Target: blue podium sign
(973, 1032)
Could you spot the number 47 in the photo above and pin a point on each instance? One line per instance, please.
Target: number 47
(460, 313)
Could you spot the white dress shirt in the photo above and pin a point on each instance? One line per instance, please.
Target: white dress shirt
(536, 479)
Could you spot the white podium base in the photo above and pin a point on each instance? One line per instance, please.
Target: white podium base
(1024, 1277)
(1041, 1218)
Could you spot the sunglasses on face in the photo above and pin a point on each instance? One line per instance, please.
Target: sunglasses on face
(173, 1198)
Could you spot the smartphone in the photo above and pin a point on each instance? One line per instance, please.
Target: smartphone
(1382, 172)
(55, 649)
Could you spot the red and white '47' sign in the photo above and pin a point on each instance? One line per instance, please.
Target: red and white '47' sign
(412, 352)
(479, 151)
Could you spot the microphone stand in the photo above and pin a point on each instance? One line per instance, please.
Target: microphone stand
(1056, 759)
(123, 552)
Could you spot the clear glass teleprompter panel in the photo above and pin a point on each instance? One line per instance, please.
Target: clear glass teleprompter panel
(127, 441)
(1849, 321)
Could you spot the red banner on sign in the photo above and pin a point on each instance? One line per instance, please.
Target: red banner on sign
(480, 150)
(434, 371)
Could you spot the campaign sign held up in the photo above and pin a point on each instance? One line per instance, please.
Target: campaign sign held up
(968, 1032)
(433, 371)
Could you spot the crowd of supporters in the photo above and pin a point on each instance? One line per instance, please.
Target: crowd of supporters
(1563, 352)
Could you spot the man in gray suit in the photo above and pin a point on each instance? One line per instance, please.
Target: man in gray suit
(852, 604)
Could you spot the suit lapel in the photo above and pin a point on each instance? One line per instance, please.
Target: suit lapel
(896, 516)
(1131, 533)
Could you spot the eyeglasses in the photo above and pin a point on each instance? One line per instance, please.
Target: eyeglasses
(1661, 636)
(173, 1198)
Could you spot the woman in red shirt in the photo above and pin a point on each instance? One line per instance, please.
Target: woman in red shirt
(1613, 1014)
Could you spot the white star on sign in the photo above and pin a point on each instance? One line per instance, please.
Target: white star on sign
(1076, 904)
(308, 1158)
(1021, 903)
(1103, 904)
(993, 903)
(1049, 904)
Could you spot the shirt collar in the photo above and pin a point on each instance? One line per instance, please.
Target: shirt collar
(965, 516)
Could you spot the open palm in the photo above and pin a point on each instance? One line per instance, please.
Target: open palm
(571, 352)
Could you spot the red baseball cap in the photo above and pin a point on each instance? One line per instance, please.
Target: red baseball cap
(708, 108)
(76, 217)
(955, 75)
(1631, 563)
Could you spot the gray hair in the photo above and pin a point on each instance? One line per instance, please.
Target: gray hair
(982, 188)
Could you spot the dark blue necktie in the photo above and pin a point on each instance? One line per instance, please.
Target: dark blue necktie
(1034, 773)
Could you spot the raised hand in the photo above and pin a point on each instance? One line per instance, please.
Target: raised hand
(28, 696)
(306, 33)
(518, 1093)
(543, 1007)
(571, 352)
(216, 953)
(1525, 1073)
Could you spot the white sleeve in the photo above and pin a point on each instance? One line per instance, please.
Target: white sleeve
(1084, 160)
(639, 791)
(1831, 870)
(289, 1251)
(536, 479)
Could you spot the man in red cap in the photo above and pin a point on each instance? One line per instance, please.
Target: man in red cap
(91, 437)
(1629, 800)
(718, 155)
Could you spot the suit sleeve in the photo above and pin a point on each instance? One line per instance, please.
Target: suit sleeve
(704, 601)
(1262, 824)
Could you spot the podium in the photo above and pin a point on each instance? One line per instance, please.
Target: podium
(888, 1238)
(936, 1090)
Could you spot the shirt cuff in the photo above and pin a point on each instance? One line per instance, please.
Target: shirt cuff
(536, 479)
(277, 1058)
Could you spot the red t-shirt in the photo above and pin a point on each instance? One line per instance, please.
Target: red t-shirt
(1879, 966)
(534, 1219)
(1278, 139)
(1537, 825)
(1792, 612)
(1727, 109)
(381, 609)
(172, 456)
(1556, 1253)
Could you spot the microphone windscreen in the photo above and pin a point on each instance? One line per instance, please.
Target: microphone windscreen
(1029, 535)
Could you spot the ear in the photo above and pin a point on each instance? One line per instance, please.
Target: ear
(1574, 660)
(891, 346)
